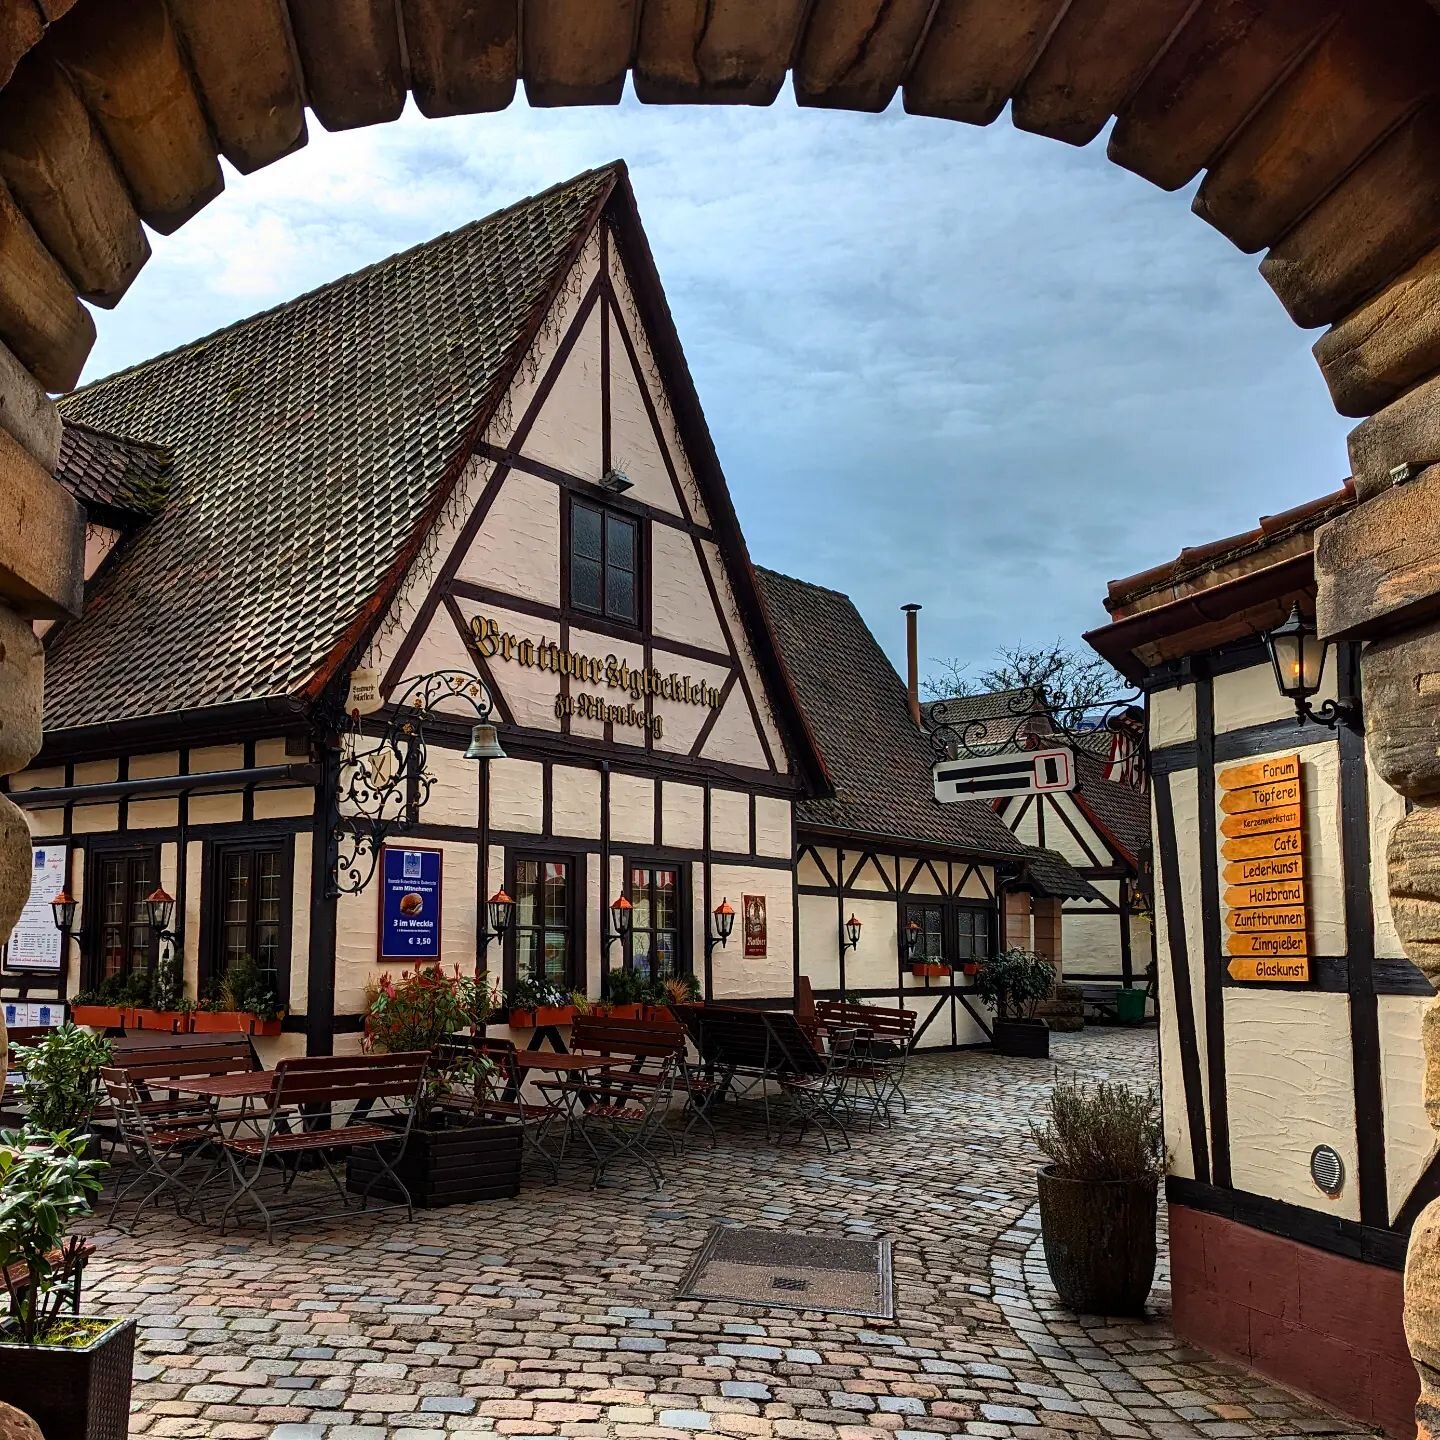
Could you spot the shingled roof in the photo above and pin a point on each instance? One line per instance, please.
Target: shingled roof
(116, 479)
(878, 762)
(311, 446)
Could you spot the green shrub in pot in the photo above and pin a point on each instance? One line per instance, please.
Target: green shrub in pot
(1012, 983)
(1098, 1195)
(60, 1077)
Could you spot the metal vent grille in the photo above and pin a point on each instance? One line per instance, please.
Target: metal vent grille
(1327, 1170)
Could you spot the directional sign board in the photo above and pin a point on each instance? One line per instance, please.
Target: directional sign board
(1266, 923)
(997, 777)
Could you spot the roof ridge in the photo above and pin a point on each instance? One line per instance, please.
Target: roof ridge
(618, 167)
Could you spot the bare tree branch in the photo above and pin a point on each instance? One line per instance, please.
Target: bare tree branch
(1071, 679)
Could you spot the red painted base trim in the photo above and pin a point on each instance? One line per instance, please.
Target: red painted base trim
(1319, 1323)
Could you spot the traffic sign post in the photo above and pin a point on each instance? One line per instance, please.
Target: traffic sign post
(999, 777)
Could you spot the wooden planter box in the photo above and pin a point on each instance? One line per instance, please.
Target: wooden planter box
(1023, 1039)
(476, 1161)
(73, 1394)
(257, 1026)
(930, 971)
(626, 1012)
(543, 1015)
(220, 1022)
(166, 1021)
(102, 1017)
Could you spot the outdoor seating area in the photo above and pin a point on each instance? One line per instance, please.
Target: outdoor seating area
(196, 1125)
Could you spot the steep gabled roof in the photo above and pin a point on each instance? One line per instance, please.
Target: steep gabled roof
(992, 718)
(878, 762)
(312, 446)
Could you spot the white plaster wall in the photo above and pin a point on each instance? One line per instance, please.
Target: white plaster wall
(1027, 825)
(1172, 716)
(517, 795)
(204, 757)
(773, 827)
(683, 722)
(566, 433)
(978, 884)
(1410, 1142)
(223, 808)
(1092, 941)
(455, 790)
(682, 815)
(300, 926)
(99, 819)
(46, 777)
(809, 872)
(736, 974)
(517, 548)
(1387, 809)
(730, 821)
(819, 955)
(155, 767)
(575, 801)
(632, 810)
(633, 444)
(286, 802)
(1059, 838)
(97, 772)
(1250, 697)
(873, 963)
(680, 602)
(148, 814)
(1289, 1084)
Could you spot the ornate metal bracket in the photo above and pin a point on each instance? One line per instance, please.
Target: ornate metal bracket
(378, 788)
(1025, 722)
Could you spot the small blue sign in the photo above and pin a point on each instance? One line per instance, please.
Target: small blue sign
(410, 905)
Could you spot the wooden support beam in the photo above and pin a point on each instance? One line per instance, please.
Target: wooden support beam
(350, 53)
(734, 52)
(1378, 565)
(60, 172)
(577, 52)
(1366, 231)
(1229, 56)
(126, 64)
(27, 412)
(1353, 87)
(463, 54)
(1092, 62)
(241, 58)
(42, 543)
(21, 26)
(975, 54)
(1376, 352)
(855, 53)
(1406, 432)
(48, 329)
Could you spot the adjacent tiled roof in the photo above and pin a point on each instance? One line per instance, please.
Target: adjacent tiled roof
(992, 718)
(1123, 810)
(113, 477)
(878, 762)
(310, 443)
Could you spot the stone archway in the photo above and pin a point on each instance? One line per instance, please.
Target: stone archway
(1316, 124)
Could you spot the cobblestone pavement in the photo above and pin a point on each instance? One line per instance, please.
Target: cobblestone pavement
(555, 1314)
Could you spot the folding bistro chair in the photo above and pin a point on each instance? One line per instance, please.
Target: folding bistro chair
(161, 1143)
(621, 1112)
(879, 1050)
(356, 1084)
(536, 1119)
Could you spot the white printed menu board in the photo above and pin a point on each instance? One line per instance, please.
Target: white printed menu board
(35, 943)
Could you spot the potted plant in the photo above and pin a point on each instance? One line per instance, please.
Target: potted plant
(681, 990)
(70, 1373)
(930, 969)
(533, 1002)
(1098, 1195)
(100, 1006)
(242, 999)
(451, 1157)
(159, 995)
(1012, 983)
(60, 1078)
(628, 991)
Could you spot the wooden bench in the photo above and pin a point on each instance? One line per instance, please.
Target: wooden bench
(353, 1084)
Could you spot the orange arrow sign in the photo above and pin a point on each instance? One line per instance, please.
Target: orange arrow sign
(1261, 797)
(1283, 842)
(1278, 917)
(1266, 892)
(1271, 971)
(1261, 822)
(1285, 945)
(1260, 772)
(1265, 867)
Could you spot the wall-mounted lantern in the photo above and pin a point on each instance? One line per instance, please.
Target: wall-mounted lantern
(621, 914)
(912, 939)
(499, 911)
(852, 934)
(724, 924)
(63, 907)
(1297, 655)
(160, 908)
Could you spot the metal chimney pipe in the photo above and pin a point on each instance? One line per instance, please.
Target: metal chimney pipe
(912, 661)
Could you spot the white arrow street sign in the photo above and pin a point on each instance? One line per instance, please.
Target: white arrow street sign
(996, 777)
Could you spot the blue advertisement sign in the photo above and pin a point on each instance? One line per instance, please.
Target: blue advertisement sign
(410, 904)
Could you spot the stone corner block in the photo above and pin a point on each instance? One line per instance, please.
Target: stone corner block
(42, 551)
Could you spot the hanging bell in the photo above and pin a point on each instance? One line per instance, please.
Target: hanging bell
(484, 744)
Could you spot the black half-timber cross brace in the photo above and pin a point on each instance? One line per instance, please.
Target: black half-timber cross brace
(1212, 948)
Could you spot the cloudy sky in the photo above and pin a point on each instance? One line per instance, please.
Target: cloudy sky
(970, 368)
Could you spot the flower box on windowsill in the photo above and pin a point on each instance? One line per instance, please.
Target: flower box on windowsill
(257, 1026)
(971, 967)
(541, 1016)
(165, 1021)
(100, 1017)
(928, 970)
(220, 1022)
(626, 1012)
